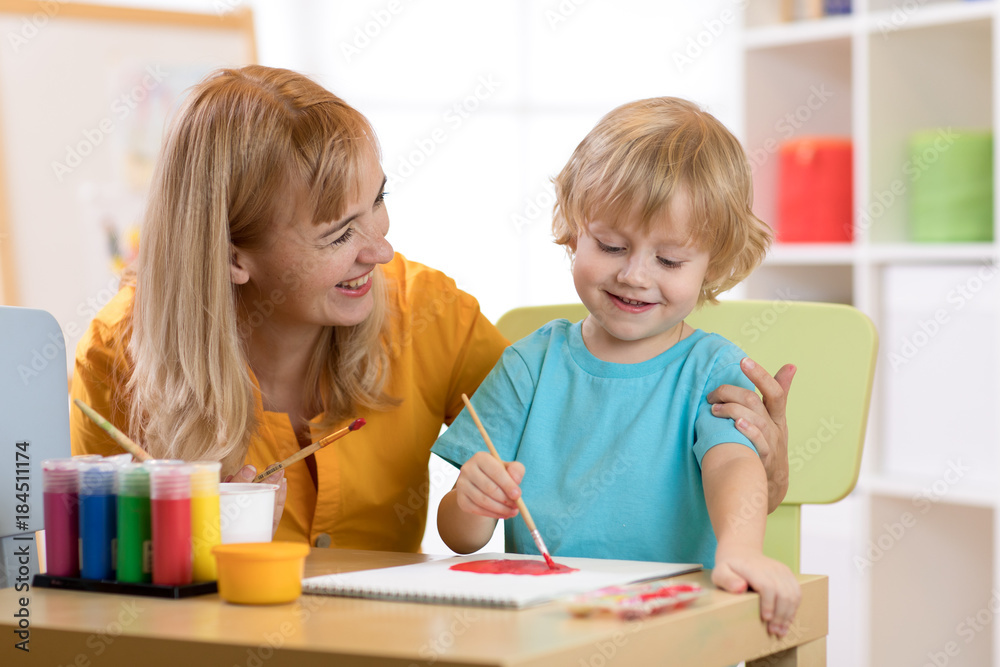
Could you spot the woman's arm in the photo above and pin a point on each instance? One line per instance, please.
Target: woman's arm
(762, 421)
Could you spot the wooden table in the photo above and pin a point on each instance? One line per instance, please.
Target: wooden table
(85, 629)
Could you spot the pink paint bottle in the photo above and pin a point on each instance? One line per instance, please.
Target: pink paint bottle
(170, 507)
(61, 488)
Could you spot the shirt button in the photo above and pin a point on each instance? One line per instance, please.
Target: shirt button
(323, 540)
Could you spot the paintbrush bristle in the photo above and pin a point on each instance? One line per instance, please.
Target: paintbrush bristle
(356, 424)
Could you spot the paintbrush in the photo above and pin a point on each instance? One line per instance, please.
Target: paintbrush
(535, 535)
(127, 444)
(311, 449)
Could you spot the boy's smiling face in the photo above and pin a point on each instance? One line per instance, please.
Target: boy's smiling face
(638, 284)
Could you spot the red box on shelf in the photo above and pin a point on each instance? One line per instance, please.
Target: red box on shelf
(815, 193)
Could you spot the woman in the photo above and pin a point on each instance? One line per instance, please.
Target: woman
(268, 308)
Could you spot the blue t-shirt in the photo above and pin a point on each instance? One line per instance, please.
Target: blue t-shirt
(612, 452)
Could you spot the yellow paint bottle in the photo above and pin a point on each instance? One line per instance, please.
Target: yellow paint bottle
(205, 531)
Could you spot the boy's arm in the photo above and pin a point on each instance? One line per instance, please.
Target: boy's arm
(736, 496)
(486, 490)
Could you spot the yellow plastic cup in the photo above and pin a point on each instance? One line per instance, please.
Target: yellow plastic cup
(260, 572)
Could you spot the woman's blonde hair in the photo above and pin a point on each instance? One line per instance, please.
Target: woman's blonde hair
(243, 140)
(644, 153)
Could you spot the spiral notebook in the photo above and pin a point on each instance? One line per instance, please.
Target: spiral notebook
(434, 581)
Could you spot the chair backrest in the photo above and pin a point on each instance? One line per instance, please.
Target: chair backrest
(34, 425)
(834, 347)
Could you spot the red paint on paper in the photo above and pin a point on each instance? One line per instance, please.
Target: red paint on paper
(511, 566)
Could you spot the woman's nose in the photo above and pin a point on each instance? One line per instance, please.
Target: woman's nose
(377, 250)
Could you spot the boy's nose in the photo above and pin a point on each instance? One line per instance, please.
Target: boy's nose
(633, 273)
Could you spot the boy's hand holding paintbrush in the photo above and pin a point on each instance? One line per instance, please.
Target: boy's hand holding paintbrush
(487, 490)
(487, 487)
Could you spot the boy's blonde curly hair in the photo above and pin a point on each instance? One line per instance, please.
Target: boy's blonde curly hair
(644, 153)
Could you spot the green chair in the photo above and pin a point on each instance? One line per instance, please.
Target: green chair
(834, 347)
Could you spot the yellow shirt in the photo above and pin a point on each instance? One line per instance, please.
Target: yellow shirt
(372, 485)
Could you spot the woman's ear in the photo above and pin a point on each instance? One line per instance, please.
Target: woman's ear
(238, 266)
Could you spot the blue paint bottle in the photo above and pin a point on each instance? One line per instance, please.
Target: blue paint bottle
(98, 519)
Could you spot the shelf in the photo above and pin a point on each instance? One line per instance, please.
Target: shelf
(799, 32)
(928, 15)
(793, 254)
(927, 491)
(931, 253)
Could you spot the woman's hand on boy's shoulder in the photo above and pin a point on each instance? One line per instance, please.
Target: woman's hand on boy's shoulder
(761, 420)
(737, 568)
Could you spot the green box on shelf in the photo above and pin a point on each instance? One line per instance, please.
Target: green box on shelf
(951, 186)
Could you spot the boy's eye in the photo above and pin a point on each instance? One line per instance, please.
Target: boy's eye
(608, 248)
(669, 263)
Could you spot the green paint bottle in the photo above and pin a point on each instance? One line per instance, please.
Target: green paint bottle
(134, 553)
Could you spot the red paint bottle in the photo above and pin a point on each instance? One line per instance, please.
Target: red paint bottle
(170, 506)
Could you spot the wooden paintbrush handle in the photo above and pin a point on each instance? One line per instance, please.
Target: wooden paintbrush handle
(302, 453)
(493, 450)
(126, 443)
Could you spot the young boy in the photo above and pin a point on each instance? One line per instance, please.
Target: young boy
(605, 424)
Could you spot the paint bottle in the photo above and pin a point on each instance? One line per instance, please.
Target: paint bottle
(60, 487)
(170, 509)
(98, 519)
(135, 532)
(205, 532)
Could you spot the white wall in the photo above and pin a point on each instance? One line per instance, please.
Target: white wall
(477, 105)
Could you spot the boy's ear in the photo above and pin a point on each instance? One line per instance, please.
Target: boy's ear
(239, 272)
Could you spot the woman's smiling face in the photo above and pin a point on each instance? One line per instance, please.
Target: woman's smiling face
(321, 274)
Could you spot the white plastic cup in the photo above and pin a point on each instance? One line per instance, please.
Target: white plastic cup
(246, 512)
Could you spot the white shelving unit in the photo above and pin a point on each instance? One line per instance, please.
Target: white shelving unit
(914, 553)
